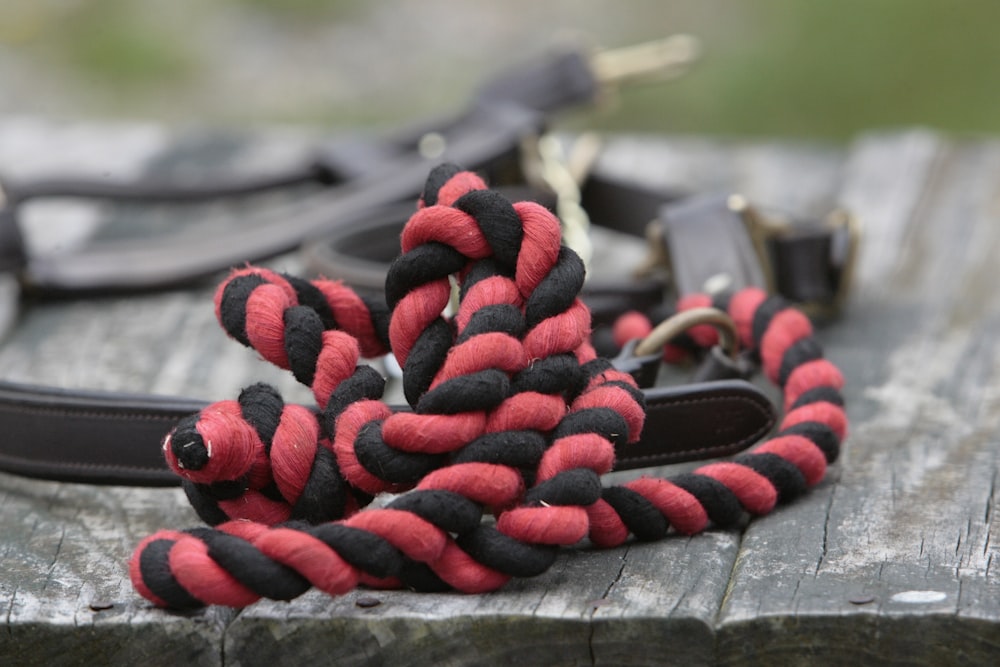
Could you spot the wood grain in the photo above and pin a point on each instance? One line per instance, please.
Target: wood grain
(888, 561)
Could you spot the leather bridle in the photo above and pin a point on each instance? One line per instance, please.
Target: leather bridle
(363, 193)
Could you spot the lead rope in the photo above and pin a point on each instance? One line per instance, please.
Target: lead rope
(513, 415)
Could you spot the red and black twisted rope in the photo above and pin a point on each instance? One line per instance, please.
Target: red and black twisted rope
(486, 491)
(271, 345)
(522, 442)
(781, 338)
(267, 461)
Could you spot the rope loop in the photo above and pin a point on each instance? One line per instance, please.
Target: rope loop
(511, 413)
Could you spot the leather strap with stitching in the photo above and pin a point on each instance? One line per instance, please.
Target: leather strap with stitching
(113, 438)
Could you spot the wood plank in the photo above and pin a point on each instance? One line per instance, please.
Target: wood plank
(892, 561)
(905, 518)
(170, 345)
(65, 588)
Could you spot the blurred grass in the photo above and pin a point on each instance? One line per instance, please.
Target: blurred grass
(302, 10)
(111, 40)
(831, 69)
(104, 41)
(771, 67)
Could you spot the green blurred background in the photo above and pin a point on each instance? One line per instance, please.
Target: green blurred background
(791, 68)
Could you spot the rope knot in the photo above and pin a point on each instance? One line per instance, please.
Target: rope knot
(511, 412)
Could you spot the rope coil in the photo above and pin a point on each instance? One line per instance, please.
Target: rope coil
(512, 414)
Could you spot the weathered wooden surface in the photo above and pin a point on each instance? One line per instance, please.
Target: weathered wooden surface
(888, 561)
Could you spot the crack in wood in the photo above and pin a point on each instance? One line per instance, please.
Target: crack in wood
(55, 558)
(10, 611)
(989, 498)
(595, 605)
(731, 579)
(826, 533)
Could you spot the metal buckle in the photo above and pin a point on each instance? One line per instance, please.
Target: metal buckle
(641, 357)
(722, 243)
(768, 230)
(674, 326)
(548, 166)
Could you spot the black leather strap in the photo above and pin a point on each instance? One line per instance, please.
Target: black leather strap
(360, 254)
(707, 239)
(87, 436)
(698, 421)
(486, 140)
(623, 205)
(110, 438)
(702, 239)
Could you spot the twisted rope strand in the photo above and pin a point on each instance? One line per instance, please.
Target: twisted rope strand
(454, 563)
(513, 414)
(317, 329)
(777, 471)
(257, 458)
(482, 352)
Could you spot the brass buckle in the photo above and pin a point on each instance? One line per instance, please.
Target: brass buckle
(647, 62)
(547, 165)
(845, 231)
(677, 324)
(718, 243)
(641, 357)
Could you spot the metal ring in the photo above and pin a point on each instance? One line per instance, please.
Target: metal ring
(684, 320)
